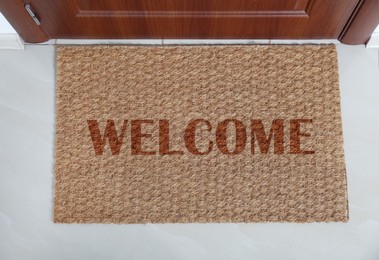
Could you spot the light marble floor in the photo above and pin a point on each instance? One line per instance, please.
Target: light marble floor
(27, 98)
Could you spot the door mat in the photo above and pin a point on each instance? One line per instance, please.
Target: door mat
(181, 134)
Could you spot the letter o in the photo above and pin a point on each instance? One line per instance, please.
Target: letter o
(221, 139)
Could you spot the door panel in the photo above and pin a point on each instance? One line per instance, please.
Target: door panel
(217, 19)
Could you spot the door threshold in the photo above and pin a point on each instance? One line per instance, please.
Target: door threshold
(183, 41)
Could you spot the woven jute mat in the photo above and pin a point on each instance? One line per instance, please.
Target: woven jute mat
(169, 134)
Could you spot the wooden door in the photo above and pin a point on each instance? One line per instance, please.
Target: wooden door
(188, 19)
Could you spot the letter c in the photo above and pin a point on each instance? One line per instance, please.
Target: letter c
(190, 137)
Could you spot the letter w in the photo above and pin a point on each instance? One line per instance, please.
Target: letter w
(110, 133)
(277, 130)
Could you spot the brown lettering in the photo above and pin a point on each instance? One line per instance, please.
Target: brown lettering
(190, 137)
(258, 136)
(110, 133)
(295, 135)
(277, 130)
(221, 139)
(137, 135)
(164, 138)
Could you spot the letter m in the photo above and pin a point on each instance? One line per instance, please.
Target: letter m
(276, 131)
(110, 133)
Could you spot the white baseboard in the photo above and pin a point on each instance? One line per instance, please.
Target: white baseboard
(374, 41)
(11, 41)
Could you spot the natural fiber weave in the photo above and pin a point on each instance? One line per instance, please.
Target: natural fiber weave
(212, 84)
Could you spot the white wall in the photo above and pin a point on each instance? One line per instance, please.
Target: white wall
(5, 27)
(374, 40)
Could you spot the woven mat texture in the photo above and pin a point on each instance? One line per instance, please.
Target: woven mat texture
(178, 134)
